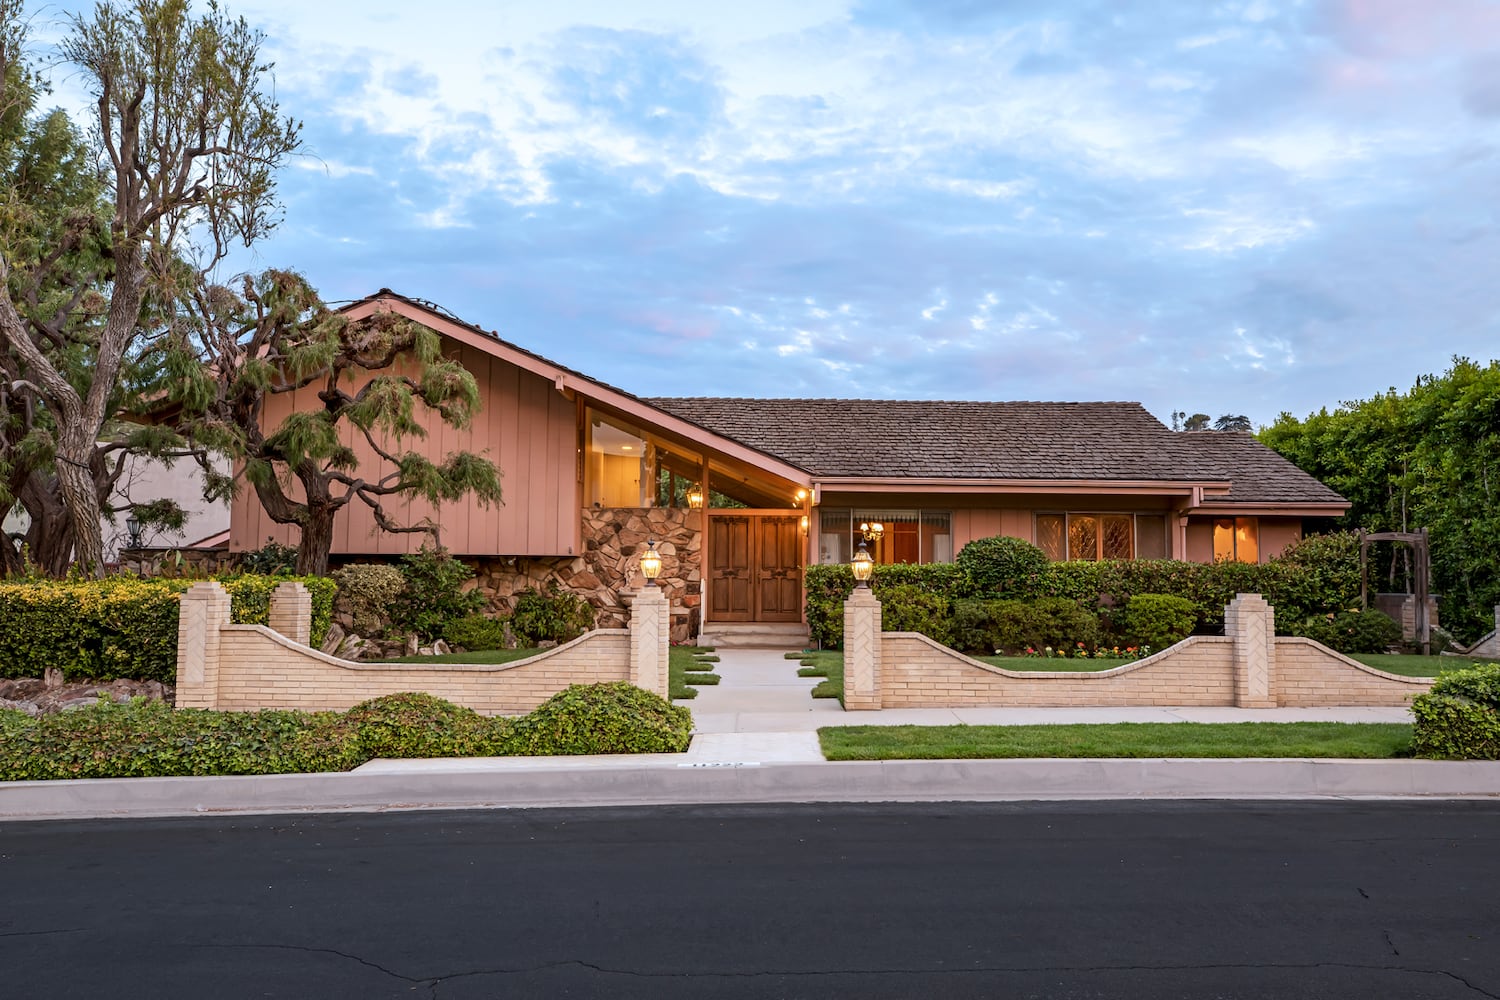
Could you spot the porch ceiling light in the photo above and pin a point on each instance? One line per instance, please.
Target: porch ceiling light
(863, 566)
(872, 530)
(651, 563)
(695, 498)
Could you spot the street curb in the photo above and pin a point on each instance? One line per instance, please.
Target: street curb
(674, 781)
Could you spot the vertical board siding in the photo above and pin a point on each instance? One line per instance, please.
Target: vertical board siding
(524, 425)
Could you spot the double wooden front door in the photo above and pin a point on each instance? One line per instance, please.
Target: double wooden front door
(754, 568)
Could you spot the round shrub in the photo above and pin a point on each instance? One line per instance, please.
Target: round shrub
(1158, 620)
(601, 718)
(367, 591)
(558, 616)
(1367, 631)
(1000, 564)
(413, 724)
(476, 632)
(434, 593)
(906, 607)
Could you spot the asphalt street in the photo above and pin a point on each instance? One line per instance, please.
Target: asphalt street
(1115, 899)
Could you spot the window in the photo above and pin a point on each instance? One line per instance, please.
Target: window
(1237, 539)
(907, 536)
(1091, 537)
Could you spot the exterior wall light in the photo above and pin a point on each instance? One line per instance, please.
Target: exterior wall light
(695, 498)
(801, 495)
(863, 566)
(872, 530)
(651, 563)
(805, 522)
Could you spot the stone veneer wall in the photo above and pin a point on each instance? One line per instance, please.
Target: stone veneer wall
(608, 572)
(1251, 667)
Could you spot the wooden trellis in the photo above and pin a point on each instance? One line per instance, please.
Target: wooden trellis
(1421, 575)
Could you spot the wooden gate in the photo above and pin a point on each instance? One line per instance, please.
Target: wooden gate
(754, 567)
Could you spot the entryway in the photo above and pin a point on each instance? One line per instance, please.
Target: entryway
(755, 578)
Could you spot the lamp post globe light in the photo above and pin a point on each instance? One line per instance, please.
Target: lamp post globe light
(863, 566)
(651, 563)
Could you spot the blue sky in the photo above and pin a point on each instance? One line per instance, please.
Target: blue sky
(1241, 207)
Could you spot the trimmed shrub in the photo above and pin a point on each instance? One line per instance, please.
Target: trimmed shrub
(475, 633)
(1000, 565)
(601, 718)
(1460, 717)
(906, 607)
(829, 586)
(1367, 631)
(250, 602)
(413, 724)
(1014, 626)
(123, 626)
(1158, 620)
(368, 593)
(558, 616)
(434, 594)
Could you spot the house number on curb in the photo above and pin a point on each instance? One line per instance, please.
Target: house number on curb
(724, 763)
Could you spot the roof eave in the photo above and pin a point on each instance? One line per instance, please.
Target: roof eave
(566, 380)
(1117, 487)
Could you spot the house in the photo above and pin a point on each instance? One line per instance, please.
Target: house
(591, 472)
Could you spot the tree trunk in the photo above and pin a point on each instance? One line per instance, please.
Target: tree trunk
(49, 538)
(317, 539)
(75, 482)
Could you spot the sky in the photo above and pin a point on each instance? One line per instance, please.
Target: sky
(1244, 207)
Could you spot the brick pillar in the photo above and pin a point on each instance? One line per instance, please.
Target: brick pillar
(291, 612)
(1251, 623)
(204, 610)
(862, 651)
(650, 630)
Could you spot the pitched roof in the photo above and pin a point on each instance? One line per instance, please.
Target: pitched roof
(1256, 473)
(880, 438)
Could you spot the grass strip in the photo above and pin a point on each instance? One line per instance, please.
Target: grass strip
(478, 656)
(1366, 740)
(709, 679)
(706, 658)
(681, 660)
(1066, 664)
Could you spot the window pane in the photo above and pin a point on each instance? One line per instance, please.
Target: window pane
(1150, 536)
(1223, 539)
(1049, 536)
(937, 536)
(1083, 537)
(619, 471)
(833, 537)
(1117, 542)
(1247, 539)
(898, 536)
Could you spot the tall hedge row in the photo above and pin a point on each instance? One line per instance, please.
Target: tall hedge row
(1317, 576)
(123, 626)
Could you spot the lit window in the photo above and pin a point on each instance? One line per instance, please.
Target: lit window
(1092, 537)
(1237, 539)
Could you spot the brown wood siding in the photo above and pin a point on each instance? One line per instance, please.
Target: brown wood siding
(524, 425)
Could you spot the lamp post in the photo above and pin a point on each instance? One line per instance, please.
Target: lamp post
(863, 566)
(651, 563)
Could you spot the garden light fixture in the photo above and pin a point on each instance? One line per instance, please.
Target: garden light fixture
(863, 566)
(651, 563)
(133, 526)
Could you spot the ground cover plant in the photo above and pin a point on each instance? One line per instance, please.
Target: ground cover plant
(1124, 739)
(141, 738)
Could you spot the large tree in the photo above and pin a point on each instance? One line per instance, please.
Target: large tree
(187, 141)
(1425, 458)
(378, 381)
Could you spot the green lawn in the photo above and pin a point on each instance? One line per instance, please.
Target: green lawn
(682, 660)
(1416, 666)
(825, 663)
(1124, 739)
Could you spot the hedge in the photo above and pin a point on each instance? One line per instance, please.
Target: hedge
(1459, 719)
(123, 626)
(151, 739)
(1316, 577)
